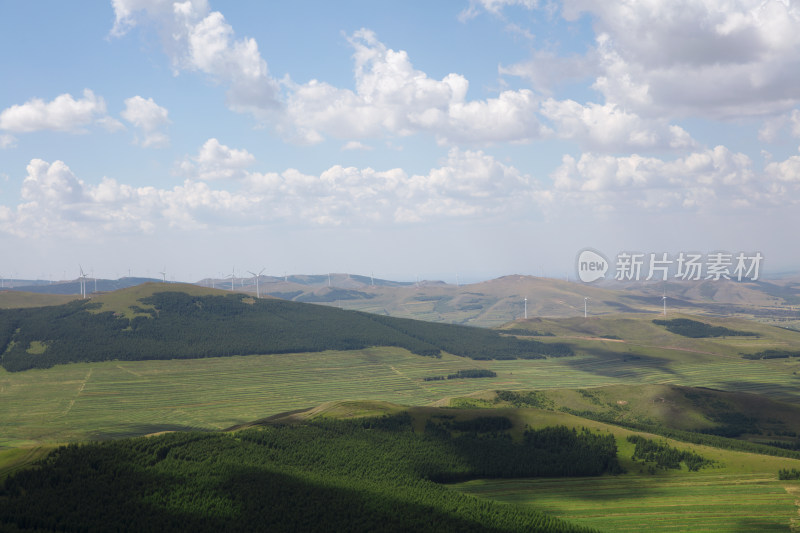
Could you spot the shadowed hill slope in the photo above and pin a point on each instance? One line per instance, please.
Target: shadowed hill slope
(159, 322)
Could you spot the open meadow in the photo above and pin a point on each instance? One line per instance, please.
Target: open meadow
(114, 398)
(625, 369)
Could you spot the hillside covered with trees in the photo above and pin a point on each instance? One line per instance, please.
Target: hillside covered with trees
(373, 474)
(175, 324)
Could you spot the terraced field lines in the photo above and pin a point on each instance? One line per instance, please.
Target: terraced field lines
(689, 502)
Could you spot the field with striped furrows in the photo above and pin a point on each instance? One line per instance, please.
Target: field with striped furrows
(115, 398)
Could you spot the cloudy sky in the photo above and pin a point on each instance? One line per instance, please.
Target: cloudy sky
(471, 137)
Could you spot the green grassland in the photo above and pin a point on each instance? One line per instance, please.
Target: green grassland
(707, 501)
(625, 369)
(21, 300)
(739, 492)
(498, 301)
(114, 398)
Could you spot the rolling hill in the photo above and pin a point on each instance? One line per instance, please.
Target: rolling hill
(158, 321)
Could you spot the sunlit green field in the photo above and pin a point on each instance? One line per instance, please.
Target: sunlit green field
(112, 399)
(739, 493)
(704, 501)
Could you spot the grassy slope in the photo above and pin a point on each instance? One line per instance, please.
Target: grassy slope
(489, 303)
(495, 302)
(740, 492)
(120, 301)
(18, 299)
(92, 400)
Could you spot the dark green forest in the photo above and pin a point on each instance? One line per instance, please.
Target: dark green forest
(177, 325)
(373, 474)
(699, 330)
(665, 456)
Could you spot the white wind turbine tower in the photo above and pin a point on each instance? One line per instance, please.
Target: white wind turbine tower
(82, 281)
(664, 299)
(526, 309)
(232, 276)
(164, 275)
(258, 294)
(585, 307)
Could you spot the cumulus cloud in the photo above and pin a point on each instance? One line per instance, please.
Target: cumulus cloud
(713, 179)
(773, 127)
(607, 127)
(196, 39)
(393, 98)
(217, 161)
(63, 113)
(713, 58)
(56, 202)
(466, 184)
(148, 116)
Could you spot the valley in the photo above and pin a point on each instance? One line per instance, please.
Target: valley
(707, 388)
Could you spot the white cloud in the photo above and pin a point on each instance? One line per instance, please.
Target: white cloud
(607, 127)
(392, 98)
(714, 58)
(145, 114)
(785, 171)
(7, 141)
(148, 116)
(63, 113)
(494, 7)
(466, 184)
(713, 179)
(198, 40)
(356, 145)
(217, 161)
(56, 202)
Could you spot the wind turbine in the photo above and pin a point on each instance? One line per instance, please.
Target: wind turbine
(82, 279)
(258, 294)
(232, 276)
(664, 299)
(585, 306)
(164, 275)
(526, 308)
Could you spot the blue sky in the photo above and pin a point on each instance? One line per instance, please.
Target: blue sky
(478, 137)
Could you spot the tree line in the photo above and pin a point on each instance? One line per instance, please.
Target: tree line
(665, 456)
